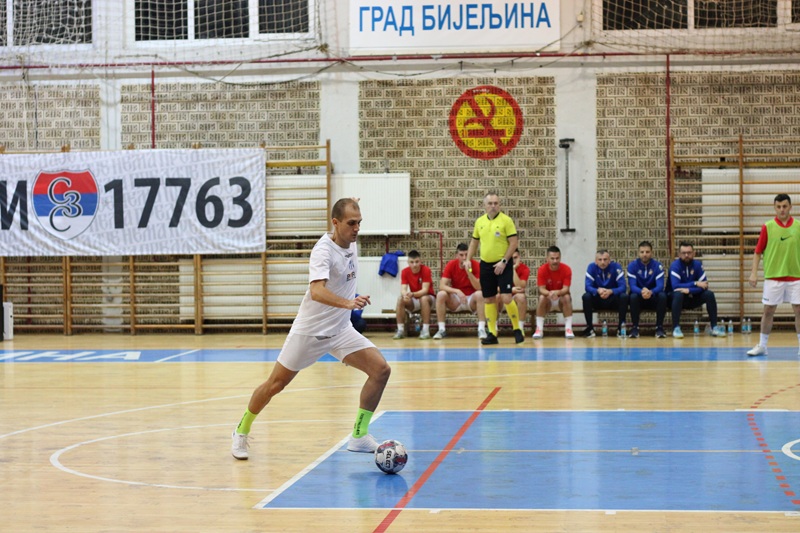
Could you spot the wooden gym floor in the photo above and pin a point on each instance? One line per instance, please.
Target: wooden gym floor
(123, 434)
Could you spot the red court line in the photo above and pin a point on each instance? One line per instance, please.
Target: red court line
(394, 513)
(763, 443)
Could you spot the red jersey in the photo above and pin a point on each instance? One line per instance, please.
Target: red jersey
(553, 280)
(459, 279)
(415, 281)
(523, 272)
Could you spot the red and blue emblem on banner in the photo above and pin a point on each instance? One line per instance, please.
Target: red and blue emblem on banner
(65, 202)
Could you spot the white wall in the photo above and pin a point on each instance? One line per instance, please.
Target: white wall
(576, 118)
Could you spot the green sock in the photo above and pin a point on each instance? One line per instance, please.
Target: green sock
(246, 422)
(362, 423)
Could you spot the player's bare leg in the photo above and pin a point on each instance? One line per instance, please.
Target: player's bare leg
(766, 328)
(278, 379)
(371, 362)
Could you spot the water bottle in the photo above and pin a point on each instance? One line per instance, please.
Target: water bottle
(605, 328)
(696, 327)
(744, 325)
(623, 330)
(417, 326)
(730, 326)
(749, 325)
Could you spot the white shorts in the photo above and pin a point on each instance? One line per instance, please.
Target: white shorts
(463, 305)
(778, 292)
(417, 305)
(301, 351)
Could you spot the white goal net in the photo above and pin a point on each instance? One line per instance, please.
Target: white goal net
(114, 33)
(697, 26)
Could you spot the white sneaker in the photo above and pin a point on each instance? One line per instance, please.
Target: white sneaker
(365, 444)
(538, 334)
(239, 445)
(568, 333)
(758, 350)
(424, 336)
(441, 334)
(482, 334)
(399, 335)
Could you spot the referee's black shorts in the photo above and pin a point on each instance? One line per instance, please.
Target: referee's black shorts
(491, 282)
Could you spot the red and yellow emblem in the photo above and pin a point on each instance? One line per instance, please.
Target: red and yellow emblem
(486, 122)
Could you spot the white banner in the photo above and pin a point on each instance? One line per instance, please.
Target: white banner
(133, 202)
(453, 26)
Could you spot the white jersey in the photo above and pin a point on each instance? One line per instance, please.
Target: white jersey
(339, 266)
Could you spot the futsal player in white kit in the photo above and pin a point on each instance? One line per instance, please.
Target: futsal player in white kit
(323, 326)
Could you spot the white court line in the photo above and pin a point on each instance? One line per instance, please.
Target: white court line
(55, 459)
(176, 356)
(353, 385)
(787, 449)
(297, 477)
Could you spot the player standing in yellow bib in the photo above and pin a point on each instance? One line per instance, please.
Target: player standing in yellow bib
(497, 235)
(779, 243)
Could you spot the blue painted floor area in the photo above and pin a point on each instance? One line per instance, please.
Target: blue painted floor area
(686, 461)
(430, 353)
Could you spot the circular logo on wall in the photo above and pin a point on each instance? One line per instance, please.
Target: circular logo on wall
(486, 122)
(65, 202)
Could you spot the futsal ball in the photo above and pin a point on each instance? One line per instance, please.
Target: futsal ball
(391, 456)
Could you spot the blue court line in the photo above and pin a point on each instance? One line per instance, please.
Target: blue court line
(438, 353)
(533, 460)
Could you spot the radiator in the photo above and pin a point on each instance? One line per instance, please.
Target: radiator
(385, 200)
(383, 290)
(297, 204)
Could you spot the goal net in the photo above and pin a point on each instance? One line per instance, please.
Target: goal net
(130, 32)
(697, 26)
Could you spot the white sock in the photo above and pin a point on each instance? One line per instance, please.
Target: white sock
(426, 328)
(539, 322)
(568, 322)
(482, 325)
(763, 338)
(401, 328)
(442, 326)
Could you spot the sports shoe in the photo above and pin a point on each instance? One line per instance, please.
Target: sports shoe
(588, 333)
(538, 334)
(399, 335)
(634, 332)
(519, 337)
(481, 333)
(239, 445)
(660, 333)
(441, 334)
(718, 331)
(758, 350)
(489, 339)
(424, 336)
(677, 333)
(365, 444)
(568, 333)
